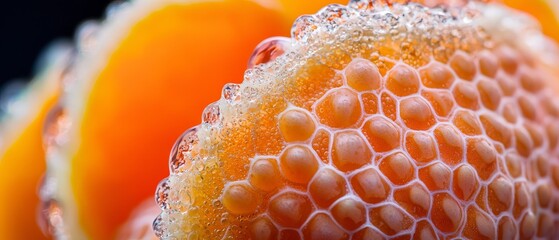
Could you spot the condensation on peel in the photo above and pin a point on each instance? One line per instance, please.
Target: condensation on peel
(318, 86)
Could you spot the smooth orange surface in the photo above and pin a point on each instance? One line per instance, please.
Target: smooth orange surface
(543, 11)
(154, 86)
(21, 166)
(295, 8)
(22, 159)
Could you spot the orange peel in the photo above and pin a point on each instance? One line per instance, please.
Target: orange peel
(421, 157)
(138, 69)
(21, 150)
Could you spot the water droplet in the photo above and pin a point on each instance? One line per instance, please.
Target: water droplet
(333, 15)
(51, 221)
(302, 27)
(356, 35)
(56, 127)
(86, 35)
(180, 158)
(269, 50)
(159, 227)
(115, 7)
(162, 194)
(231, 92)
(200, 166)
(224, 220)
(249, 93)
(211, 114)
(392, 20)
(361, 4)
(371, 4)
(47, 187)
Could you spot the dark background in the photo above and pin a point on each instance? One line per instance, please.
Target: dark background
(28, 26)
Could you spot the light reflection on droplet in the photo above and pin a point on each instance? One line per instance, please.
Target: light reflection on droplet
(211, 114)
(180, 158)
(231, 92)
(86, 35)
(162, 194)
(269, 50)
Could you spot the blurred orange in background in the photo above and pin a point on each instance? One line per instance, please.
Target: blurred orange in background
(142, 83)
(149, 73)
(21, 150)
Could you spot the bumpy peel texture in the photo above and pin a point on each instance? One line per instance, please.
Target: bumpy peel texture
(378, 121)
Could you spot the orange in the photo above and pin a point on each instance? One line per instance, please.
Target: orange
(145, 75)
(30, 139)
(136, 85)
(386, 121)
(21, 150)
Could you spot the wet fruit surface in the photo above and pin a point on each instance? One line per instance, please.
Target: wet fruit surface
(379, 133)
(133, 72)
(21, 148)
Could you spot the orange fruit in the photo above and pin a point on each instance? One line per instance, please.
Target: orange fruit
(21, 148)
(30, 139)
(381, 120)
(145, 74)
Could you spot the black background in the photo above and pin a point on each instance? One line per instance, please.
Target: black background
(28, 26)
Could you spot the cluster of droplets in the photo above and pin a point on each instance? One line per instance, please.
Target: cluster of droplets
(394, 23)
(54, 135)
(388, 120)
(16, 104)
(185, 158)
(442, 137)
(383, 134)
(56, 132)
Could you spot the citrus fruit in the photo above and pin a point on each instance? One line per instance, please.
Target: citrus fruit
(381, 119)
(88, 29)
(143, 75)
(138, 68)
(21, 147)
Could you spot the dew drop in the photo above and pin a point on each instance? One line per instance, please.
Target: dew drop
(268, 50)
(356, 35)
(333, 15)
(249, 93)
(51, 221)
(392, 20)
(302, 27)
(211, 115)
(158, 226)
(180, 158)
(231, 92)
(361, 4)
(55, 129)
(47, 187)
(162, 194)
(86, 35)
